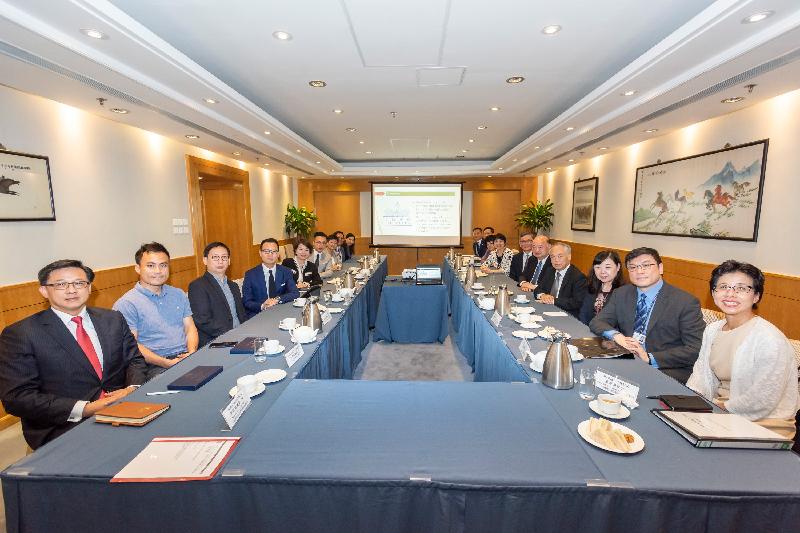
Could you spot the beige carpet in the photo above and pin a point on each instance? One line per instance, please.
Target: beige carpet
(12, 449)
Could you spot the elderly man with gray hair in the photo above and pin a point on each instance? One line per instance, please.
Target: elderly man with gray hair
(565, 285)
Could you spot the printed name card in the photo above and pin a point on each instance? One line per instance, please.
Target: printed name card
(233, 411)
(613, 384)
(294, 354)
(496, 318)
(524, 348)
(326, 317)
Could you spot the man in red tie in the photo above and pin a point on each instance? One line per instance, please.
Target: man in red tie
(64, 364)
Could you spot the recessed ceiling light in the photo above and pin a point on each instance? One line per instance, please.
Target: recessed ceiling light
(515, 79)
(298, 151)
(501, 168)
(551, 29)
(603, 148)
(465, 151)
(472, 140)
(237, 153)
(317, 162)
(360, 142)
(282, 35)
(350, 130)
(629, 93)
(209, 100)
(757, 17)
(495, 108)
(481, 127)
(94, 34)
(536, 147)
(317, 83)
(119, 111)
(266, 164)
(192, 136)
(337, 111)
(267, 132)
(570, 160)
(732, 100)
(513, 160)
(549, 168)
(651, 130)
(570, 128)
(368, 152)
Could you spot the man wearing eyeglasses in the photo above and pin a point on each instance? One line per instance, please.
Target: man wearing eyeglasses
(64, 364)
(159, 315)
(523, 263)
(659, 323)
(269, 283)
(216, 300)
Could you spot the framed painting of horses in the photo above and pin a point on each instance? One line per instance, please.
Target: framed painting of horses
(26, 192)
(584, 204)
(715, 195)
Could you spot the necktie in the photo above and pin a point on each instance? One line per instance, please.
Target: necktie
(640, 321)
(556, 285)
(88, 348)
(524, 261)
(271, 286)
(538, 271)
(316, 261)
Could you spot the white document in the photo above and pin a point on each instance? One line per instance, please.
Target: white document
(720, 426)
(555, 313)
(178, 459)
(294, 354)
(233, 411)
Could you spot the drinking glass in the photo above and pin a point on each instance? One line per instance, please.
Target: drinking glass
(260, 349)
(586, 384)
(328, 295)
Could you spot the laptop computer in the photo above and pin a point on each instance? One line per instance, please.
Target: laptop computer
(429, 275)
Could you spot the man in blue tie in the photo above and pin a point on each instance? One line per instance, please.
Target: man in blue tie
(542, 267)
(269, 283)
(659, 323)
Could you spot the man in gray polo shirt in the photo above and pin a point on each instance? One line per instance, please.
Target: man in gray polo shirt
(158, 314)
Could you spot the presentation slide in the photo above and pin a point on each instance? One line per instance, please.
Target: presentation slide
(420, 214)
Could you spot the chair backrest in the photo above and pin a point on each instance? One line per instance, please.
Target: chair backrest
(281, 253)
(239, 282)
(709, 315)
(289, 249)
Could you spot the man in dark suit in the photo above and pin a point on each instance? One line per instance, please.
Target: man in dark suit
(216, 300)
(541, 268)
(478, 244)
(64, 364)
(523, 264)
(565, 285)
(659, 323)
(269, 283)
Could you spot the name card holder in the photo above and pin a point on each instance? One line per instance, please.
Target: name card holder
(614, 384)
(235, 408)
(524, 348)
(496, 318)
(326, 317)
(293, 355)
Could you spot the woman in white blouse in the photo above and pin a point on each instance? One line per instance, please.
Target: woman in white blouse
(746, 365)
(499, 259)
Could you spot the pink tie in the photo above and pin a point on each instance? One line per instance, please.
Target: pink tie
(88, 348)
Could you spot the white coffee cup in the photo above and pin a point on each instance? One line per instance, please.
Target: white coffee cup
(303, 333)
(337, 297)
(487, 303)
(289, 323)
(247, 384)
(524, 318)
(299, 302)
(608, 404)
(273, 345)
(521, 298)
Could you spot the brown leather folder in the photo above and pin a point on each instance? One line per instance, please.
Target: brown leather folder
(130, 413)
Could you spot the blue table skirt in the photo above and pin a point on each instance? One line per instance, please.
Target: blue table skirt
(412, 313)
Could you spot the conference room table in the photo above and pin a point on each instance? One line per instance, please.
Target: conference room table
(502, 454)
(410, 313)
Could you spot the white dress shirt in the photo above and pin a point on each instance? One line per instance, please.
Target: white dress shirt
(266, 277)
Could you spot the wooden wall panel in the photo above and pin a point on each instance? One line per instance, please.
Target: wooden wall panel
(780, 303)
(338, 210)
(496, 208)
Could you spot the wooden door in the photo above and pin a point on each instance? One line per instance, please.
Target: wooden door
(223, 208)
(497, 209)
(338, 210)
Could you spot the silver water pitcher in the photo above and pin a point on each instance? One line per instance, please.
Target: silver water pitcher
(470, 278)
(451, 255)
(349, 281)
(376, 254)
(502, 303)
(364, 262)
(557, 368)
(311, 315)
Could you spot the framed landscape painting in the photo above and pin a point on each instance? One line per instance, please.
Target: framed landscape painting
(716, 195)
(26, 192)
(584, 204)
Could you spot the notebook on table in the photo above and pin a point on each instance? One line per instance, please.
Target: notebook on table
(722, 430)
(598, 347)
(195, 378)
(130, 413)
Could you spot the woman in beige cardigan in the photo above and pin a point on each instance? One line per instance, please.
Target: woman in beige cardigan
(746, 365)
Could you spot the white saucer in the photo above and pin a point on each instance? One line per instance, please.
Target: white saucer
(334, 310)
(521, 302)
(518, 310)
(261, 388)
(480, 292)
(304, 342)
(623, 411)
(285, 328)
(280, 349)
(295, 304)
(636, 446)
(271, 375)
(530, 325)
(334, 300)
(478, 287)
(522, 334)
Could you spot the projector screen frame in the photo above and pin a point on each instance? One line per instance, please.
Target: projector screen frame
(372, 213)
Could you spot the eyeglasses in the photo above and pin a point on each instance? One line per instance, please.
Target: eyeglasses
(525, 241)
(641, 268)
(271, 252)
(219, 257)
(738, 289)
(62, 285)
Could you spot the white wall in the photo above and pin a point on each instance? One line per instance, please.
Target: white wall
(114, 186)
(775, 251)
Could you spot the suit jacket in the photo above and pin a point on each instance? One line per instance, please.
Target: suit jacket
(254, 290)
(516, 273)
(325, 268)
(674, 333)
(479, 248)
(43, 370)
(310, 273)
(542, 275)
(572, 292)
(210, 309)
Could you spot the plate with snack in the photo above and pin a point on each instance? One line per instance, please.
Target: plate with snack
(610, 436)
(548, 332)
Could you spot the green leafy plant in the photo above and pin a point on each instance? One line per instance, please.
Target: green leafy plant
(535, 216)
(299, 221)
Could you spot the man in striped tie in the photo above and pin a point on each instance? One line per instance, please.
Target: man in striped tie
(62, 365)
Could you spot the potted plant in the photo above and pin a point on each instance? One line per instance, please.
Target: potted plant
(299, 221)
(535, 216)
